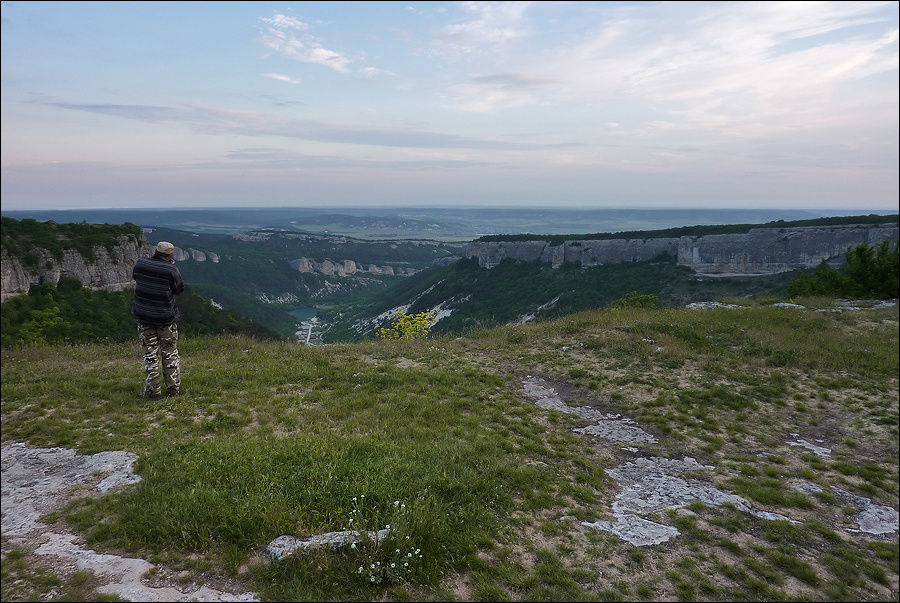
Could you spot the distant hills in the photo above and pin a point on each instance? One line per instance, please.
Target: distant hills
(443, 223)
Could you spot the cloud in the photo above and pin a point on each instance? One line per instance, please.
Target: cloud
(491, 25)
(209, 119)
(281, 78)
(371, 73)
(282, 37)
(282, 22)
(276, 158)
(717, 72)
(486, 93)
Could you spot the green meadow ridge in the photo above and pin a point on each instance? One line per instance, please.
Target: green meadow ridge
(497, 486)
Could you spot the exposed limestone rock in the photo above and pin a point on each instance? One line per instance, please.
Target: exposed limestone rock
(615, 431)
(807, 487)
(35, 482)
(710, 305)
(652, 484)
(197, 255)
(872, 519)
(286, 545)
(634, 530)
(109, 271)
(34, 479)
(532, 315)
(343, 268)
(123, 575)
(613, 427)
(773, 250)
(326, 267)
(819, 451)
(759, 251)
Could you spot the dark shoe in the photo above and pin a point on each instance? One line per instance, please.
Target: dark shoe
(149, 396)
(173, 391)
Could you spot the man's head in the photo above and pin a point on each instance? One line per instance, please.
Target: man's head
(166, 249)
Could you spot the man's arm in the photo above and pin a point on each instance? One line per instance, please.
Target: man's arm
(177, 282)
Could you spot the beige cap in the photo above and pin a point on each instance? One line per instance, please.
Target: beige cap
(165, 247)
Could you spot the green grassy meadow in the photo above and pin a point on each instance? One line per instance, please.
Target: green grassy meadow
(272, 438)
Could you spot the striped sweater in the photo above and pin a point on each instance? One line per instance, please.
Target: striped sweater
(157, 282)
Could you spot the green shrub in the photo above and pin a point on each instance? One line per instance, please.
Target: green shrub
(634, 299)
(869, 272)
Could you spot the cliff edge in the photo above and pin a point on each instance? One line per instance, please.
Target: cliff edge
(108, 270)
(758, 251)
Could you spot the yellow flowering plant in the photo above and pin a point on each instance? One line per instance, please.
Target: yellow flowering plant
(408, 326)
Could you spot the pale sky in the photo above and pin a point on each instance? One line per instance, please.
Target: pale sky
(603, 104)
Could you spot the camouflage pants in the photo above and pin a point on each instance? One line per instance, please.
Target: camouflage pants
(160, 347)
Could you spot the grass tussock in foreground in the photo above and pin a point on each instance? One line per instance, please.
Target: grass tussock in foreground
(483, 489)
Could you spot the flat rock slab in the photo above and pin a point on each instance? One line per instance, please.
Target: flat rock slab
(819, 451)
(635, 530)
(612, 427)
(711, 305)
(123, 575)
(652, 484)
(286, 545)
(35, 481)
(617, 431)
(872, 518)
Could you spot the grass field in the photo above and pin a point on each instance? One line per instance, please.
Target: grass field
(436, 438)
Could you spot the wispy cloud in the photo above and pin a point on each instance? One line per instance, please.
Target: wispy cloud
(486, 93)
(282, 78)
(276, 158)
(220, 120)
(283, 35)
(282, 22)
(742, 70)
(489, 26)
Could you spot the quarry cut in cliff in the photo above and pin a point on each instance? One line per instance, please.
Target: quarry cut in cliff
(763, 250)
(109, 270)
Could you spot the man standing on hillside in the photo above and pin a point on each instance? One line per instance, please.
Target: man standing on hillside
(157, 282)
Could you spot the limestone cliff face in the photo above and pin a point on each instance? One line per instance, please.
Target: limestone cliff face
(343, 268)
(197, 255)
(771, 250)
(109, 271)
(759, 251)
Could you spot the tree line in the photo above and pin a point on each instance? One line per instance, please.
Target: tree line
(70, 313)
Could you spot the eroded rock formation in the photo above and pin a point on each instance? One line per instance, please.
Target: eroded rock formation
(109, 270)
(759, 251)
(344, 268)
